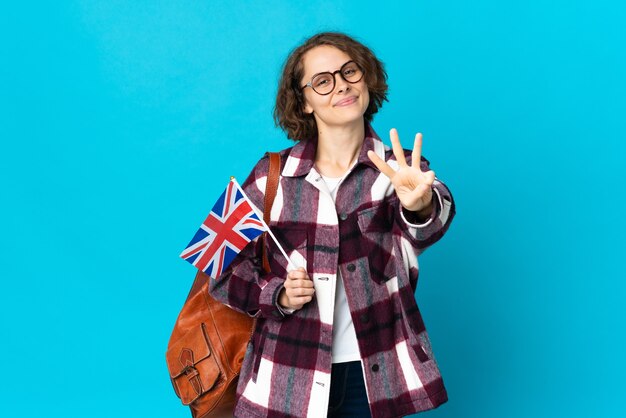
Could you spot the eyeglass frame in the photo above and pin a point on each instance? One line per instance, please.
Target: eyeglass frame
(332, 73)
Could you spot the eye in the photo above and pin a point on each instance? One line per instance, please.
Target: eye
(322, 80)
(351, 71)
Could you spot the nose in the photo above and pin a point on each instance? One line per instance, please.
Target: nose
(341, 85)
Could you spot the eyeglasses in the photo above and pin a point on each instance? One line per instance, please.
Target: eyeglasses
(324, 83)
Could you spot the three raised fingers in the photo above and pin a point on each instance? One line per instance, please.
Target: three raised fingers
(398, 152)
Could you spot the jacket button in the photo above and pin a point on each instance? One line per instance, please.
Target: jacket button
(365, 318)
(351, 267)
(375, 368)
(343, 216)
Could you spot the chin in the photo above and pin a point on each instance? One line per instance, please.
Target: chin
(341, 117)
(353, 116)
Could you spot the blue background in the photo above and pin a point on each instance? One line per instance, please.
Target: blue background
(121, 122)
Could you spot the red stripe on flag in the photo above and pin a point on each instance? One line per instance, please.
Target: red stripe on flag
(254, 222)
(193, 251)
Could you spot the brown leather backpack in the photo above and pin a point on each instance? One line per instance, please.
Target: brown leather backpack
(209, 340)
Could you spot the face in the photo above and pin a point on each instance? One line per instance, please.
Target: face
(346, 103)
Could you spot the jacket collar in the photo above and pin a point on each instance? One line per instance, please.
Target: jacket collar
(301, 158)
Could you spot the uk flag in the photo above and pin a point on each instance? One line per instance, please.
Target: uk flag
(231, 225)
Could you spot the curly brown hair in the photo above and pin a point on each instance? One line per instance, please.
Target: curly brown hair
(289, 110)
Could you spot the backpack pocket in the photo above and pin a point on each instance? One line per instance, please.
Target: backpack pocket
(192, 364)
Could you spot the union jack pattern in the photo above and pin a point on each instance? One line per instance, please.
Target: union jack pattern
(230, 226)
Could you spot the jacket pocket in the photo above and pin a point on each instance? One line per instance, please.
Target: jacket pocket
(376, 225)
(422, 356)
(424, 346)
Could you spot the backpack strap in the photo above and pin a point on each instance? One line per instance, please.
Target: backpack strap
(271, 187)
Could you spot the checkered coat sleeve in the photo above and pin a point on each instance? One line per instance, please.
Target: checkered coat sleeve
(374, 243)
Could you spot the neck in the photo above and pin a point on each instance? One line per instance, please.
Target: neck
(338, 147)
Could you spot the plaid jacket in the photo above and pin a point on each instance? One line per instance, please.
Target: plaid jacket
(373, 242)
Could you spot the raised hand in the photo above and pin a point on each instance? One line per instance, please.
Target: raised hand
(412, 185)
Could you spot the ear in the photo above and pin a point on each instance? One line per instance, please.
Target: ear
(307, 108)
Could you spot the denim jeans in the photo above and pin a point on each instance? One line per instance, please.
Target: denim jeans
(348, 397)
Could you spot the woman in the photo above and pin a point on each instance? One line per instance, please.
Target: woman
(341, 334)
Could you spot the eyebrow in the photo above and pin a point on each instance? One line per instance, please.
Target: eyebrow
(324, 72)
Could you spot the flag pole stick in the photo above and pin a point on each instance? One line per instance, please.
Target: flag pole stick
(269, 231)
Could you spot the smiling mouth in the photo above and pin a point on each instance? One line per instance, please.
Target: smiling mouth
(347, 101)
